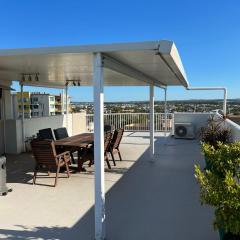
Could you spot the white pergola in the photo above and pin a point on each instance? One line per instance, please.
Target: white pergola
(150, 64)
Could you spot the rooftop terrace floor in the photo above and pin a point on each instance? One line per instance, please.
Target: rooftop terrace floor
(144, 200)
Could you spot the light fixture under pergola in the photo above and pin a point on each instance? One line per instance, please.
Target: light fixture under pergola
(29, 77)
(73, 83)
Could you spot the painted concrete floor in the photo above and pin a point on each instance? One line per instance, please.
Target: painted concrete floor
(144, 200)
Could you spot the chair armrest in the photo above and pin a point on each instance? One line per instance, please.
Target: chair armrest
(90, 145)
(64, 155)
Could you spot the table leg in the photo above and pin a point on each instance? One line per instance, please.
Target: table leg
(80, 167)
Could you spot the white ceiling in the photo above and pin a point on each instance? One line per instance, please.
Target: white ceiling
(158, 61)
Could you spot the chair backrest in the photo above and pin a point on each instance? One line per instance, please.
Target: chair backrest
(117, 138)
(107, 141)
(44, 152)
(108, 128)
(60, 133)
(45, 133)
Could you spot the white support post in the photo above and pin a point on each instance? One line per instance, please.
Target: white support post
(66, 105)
(4, 118)
(98, 81)
(62, 101)
(23, 129)
(165, 112)
(151, 122)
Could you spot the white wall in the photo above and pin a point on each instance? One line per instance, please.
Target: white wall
(8, 104)
(14, 106)
(76, 124)
(14, 136)
(235, 129)
(1, 138)
(79, 123)
(197, 119)
(6, 97)
(32, 125)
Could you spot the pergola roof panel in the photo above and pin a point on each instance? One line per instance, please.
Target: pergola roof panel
(58, 64)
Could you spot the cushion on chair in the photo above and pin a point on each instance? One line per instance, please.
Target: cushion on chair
(45, 133)
(60, 133)
(108, 128)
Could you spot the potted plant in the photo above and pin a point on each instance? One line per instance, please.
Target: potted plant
(215, 131)
(224, 195)
(220, 187)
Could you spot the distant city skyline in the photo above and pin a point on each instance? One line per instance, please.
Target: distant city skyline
(85, 94)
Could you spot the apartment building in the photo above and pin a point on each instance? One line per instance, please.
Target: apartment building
(17, 102)
(38, 104)
(42, 104)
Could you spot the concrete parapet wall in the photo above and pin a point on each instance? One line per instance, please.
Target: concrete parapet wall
(14, 144)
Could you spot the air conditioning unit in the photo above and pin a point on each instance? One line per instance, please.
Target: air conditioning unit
(184, 130)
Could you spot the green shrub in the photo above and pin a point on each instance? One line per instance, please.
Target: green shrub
(223, 158)
(224, 195)
(220, 185)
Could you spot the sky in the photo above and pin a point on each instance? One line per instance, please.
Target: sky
(206, 33)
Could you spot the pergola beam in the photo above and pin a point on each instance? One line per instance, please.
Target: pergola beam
(120, 67)
(44, 84)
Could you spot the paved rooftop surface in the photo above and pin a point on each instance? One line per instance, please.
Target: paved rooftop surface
(144, 200)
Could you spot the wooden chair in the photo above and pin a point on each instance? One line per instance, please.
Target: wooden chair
(107, 142)
(88, 154)
(46, 158)
(61, 133)
(115, 143)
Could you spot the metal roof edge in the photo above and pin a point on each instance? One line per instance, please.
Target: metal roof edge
(132, 46)
(170, 55)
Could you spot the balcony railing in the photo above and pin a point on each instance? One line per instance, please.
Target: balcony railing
(134, 121)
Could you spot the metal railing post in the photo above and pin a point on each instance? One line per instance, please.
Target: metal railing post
(135, 121)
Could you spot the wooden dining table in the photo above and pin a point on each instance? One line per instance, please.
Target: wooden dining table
(76, 143)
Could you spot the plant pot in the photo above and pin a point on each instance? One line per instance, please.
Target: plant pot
(207, 164)
(221, 233)
(227, 236)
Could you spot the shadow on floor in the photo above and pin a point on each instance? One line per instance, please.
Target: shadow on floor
(153, 200)
(20, 168)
